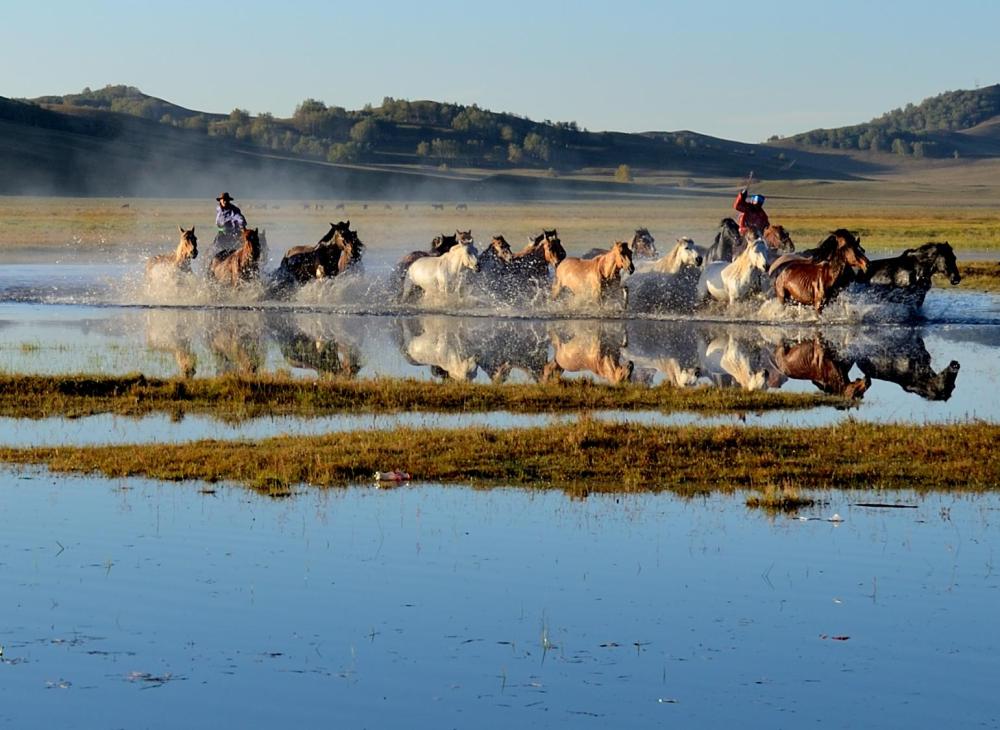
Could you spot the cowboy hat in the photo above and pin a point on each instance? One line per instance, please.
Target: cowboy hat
(225, 196)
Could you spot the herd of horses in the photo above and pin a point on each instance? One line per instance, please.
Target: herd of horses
(735, 267)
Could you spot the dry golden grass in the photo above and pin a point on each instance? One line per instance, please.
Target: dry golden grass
(236, 398)
(579, 457)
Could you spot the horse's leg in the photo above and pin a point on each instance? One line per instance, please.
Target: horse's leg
(556, 289)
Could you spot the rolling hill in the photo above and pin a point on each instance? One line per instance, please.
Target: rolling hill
(120, 141)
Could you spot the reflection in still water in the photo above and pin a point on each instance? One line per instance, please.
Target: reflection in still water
(837, 361)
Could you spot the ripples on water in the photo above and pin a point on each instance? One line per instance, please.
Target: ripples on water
(440, 607)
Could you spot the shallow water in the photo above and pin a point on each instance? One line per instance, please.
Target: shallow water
(101, 319)
(427, 606)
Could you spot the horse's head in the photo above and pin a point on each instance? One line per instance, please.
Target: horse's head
(188, 246)
(849, 248)
(686, 253)
(340, 227)
(552, 249)
(623, 256)
(466, 255)
(944, 261)
(501, 249)
(251, 240)
(464, 237)
(643, 244)
(443, 244)
(778, 239)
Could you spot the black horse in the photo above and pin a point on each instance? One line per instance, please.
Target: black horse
(728, 242)
(911, 272)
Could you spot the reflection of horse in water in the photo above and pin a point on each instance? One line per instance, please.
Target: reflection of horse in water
(814, 360)
(439, 342)
(169, 331)
(237, 343)
(314, 348)
(900, 356)
(503, 346)
(670, 348)
(594, 347)
(731, 359)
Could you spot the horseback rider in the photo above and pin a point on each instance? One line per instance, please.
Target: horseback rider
(752, 215)
(230, 222)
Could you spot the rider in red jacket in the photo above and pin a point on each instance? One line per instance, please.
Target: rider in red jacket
(752, 213)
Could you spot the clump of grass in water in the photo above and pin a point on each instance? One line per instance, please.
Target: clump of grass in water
(579, 458)
(783, 497)
(236, 398)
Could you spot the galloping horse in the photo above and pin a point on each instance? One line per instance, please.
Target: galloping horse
(732, 281)
(670, 283)
(528, 273)
(594, 278)
(440, 274)
(809, 282)
(778, 240)
(439, 245)
(643, 246)
(180, 260)
(912, 271)
(728, 242)
(238, 265)
(494, 260)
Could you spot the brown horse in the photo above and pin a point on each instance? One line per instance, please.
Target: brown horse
(594, 278)
(589, 349)
(341, 226)
(778, 240)
(180, 259)
(238, 265)
(812, 360)
(531, 264)
(815, 283)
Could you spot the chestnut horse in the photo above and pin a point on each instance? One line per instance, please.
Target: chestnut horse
(180, 259)
(589, 349)
(815, 283)
(594, 278)
(813, 360)
(238, 265)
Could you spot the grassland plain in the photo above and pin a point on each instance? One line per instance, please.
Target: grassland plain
(579, 458)
(234, 398)
(889, 217)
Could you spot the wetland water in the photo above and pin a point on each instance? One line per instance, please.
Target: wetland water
(135, 603)
(130, 603)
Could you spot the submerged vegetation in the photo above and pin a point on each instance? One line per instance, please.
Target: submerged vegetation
(580, 457)
(776, 498)
(236, 398)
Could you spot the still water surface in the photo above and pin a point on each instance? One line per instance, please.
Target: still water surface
(136, 604)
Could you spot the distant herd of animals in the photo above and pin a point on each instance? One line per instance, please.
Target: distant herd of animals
(735, 267)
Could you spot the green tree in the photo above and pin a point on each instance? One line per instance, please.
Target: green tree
(344, 152)
(366, 131)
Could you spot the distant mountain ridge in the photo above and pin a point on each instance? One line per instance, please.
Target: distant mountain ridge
(118, 140)
(927, 129)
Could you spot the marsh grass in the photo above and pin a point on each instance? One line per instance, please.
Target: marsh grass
(978, 276)
(581, 457)
(235, 398)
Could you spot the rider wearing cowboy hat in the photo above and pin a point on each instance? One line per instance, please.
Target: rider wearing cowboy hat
(229, 220)
(752, 213)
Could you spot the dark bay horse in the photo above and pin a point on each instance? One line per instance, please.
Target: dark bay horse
(910, 273)
(728, 242)
(239, 265)
(816, 283)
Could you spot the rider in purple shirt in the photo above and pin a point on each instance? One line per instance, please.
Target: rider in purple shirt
(229, 220)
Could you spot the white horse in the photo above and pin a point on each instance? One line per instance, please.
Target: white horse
(441, 275)
(442, 347)
(730, 282)
(669, 283)
(725, 356)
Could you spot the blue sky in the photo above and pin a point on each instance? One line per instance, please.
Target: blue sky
(736, 70)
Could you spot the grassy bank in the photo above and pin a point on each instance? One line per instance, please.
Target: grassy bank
(978, 276)
(888, 222)
(237, 398)
(580, 457)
